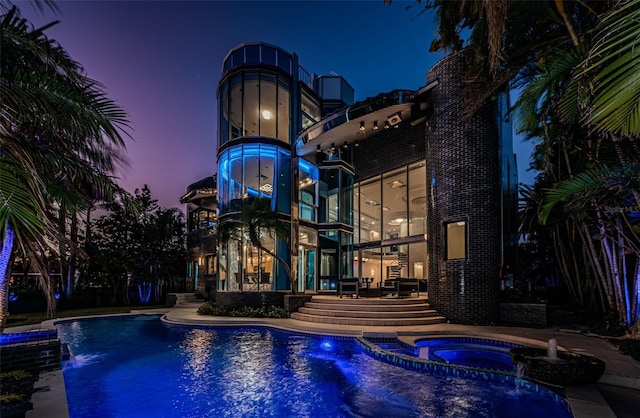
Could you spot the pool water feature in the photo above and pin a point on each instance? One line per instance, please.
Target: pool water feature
(137, 366)
(468, 351)
(463, 351)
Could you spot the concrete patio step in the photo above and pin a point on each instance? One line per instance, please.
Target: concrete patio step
(369, 301)
(341, 320)
(327, 309)
(369, 307)
(368, 313)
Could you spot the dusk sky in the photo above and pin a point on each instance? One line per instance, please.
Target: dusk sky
(161, 61)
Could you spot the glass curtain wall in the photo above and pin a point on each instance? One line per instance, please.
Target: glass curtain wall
(254, 103)
(390, 225)
(391, 206)
(245, 173)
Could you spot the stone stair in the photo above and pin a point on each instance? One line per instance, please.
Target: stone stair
(188, 300)
(368, 311)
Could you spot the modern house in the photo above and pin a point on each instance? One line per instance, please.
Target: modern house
(402, 184)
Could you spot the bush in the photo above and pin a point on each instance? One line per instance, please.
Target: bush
(209, 308)
(629, 347)
(10, 399)
(16, 386)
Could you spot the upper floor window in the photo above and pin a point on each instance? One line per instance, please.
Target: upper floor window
(254, 104)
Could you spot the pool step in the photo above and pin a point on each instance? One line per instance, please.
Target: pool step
(368, 311)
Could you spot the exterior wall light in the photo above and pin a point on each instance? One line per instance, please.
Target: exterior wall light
(333, 148)
(318, 149)
(345, 145)
(375, 125)
(362, 125)
(386, 125)
(266, 114)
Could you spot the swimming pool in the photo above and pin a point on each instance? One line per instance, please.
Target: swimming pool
(137, 366)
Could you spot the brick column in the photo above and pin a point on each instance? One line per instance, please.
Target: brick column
(463, 175)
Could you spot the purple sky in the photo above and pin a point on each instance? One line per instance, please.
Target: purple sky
(161, 61)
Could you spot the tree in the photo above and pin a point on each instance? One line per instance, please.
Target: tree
(576, 65)
(256, 220)
(57, 128)
(139, 250)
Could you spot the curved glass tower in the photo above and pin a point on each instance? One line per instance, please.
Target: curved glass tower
(258, 97)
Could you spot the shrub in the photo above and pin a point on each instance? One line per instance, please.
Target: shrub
(10, 399)
(209, 308)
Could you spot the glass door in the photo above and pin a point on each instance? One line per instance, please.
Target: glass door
(306, 268)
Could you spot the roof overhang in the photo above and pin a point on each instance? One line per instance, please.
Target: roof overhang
(365, 119)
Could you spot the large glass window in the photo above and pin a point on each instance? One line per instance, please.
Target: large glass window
(370, 211)
(308, 182)
(224, 113)
(417, 193)
(395, 220)
(254, 171)
(252, 54)
(254, 104)
(250, 107)
(310, 110)
(392, 205)
(235, 106)
(223, 182)
(283, 110)
(329, 192)
(236, 190)
(456, 239)
(268, 108)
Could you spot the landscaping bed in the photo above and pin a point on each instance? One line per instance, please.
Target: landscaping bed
(16, 388)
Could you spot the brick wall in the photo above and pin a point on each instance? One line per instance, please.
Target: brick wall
(524, 314)
(36, 357)
(251, 299)
(390, 149)
(463, 174)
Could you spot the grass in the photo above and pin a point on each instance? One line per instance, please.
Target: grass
(31, 318)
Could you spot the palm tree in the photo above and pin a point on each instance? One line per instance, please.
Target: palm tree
(256, 220)
(577, 66)
(57, 127)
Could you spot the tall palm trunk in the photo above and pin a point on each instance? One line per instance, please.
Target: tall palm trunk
(73, 255)
(255, 241)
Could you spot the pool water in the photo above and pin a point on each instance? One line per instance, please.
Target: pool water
(137, 366)
(462, 351)
(465, 351)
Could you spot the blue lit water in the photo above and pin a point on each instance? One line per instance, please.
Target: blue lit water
(465, 351)
(141, 367)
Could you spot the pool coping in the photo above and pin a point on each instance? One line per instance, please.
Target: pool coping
(584, 402)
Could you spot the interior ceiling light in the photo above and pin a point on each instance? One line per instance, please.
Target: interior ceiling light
(375, 125)
(362, 125)
(266, 114)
